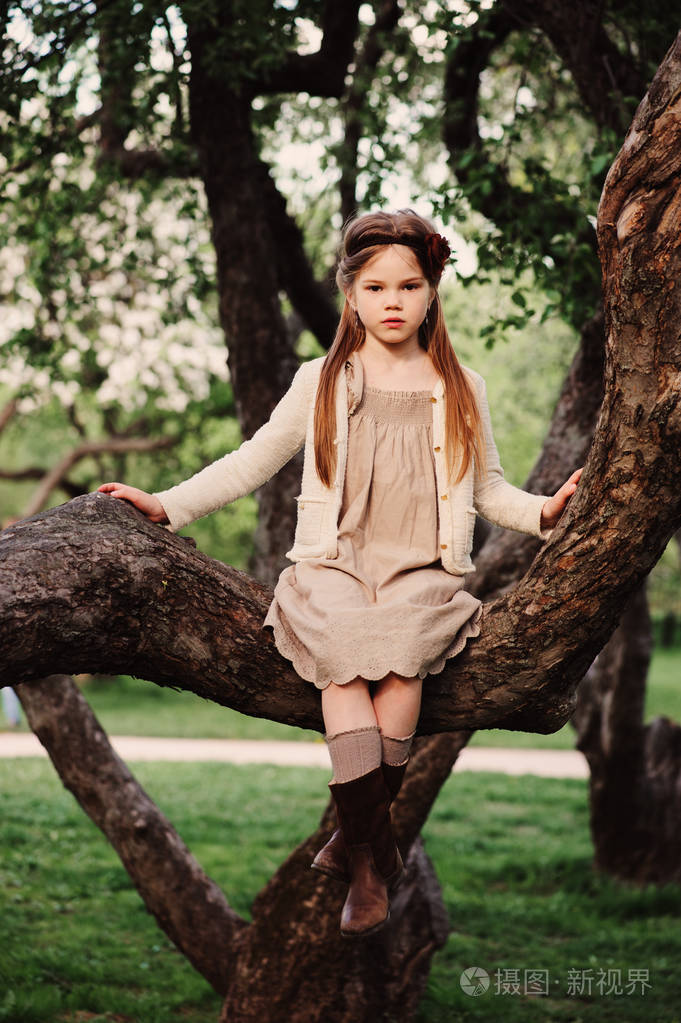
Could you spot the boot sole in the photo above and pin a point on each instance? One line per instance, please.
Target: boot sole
(365, 934)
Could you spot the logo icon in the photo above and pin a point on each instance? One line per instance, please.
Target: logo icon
(474, 980)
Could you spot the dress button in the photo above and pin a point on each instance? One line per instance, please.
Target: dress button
(436, 448)
(443, 497)
(433, 400)
(443, 546)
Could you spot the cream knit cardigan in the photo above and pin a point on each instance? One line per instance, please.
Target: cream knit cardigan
(483, 489)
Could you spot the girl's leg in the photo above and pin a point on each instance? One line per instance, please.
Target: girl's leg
(363, 849)
(397, 705)
(347, 707)
(397, 702)
(352, 734)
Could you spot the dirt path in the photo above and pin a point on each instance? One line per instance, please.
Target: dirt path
(548, 763)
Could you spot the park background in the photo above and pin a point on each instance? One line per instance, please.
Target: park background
(513, 855)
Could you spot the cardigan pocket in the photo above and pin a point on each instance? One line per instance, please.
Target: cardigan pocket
(310, 519)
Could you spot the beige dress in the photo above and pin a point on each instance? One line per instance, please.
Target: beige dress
(385, 603)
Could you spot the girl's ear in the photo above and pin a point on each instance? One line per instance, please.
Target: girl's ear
(350, 300)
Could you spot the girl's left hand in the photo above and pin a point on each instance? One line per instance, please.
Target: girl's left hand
(555, 506)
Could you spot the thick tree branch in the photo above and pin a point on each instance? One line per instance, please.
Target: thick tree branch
(200, 922)
(141, 163)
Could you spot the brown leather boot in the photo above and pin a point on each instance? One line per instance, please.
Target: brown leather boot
(332, 859)
(363, 807)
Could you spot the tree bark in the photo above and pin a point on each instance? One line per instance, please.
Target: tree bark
(635, 779)
(294, 966)
(261, 358)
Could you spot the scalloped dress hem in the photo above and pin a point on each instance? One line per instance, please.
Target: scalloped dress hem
(307, 668)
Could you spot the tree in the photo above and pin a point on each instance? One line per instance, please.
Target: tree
(140, 601)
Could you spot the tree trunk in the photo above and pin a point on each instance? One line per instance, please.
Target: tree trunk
(261, 358)
(294, 966)
(635, 781)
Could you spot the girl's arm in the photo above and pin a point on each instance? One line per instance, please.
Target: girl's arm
(502, 503)
(237, 473)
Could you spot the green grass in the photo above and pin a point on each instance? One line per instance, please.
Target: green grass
(513, 855)
(127, 706)
(514, 859)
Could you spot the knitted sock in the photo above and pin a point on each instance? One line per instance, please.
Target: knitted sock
(396, 751)
(354, 753)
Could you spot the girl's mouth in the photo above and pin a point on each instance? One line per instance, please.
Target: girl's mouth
(393, 322)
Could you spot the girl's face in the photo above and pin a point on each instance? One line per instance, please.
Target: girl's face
(391, 295)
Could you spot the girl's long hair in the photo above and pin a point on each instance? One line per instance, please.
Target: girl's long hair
(463, 431)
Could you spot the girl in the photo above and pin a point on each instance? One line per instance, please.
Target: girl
(399, 458)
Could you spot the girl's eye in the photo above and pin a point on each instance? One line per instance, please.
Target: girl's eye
(373, 287)
(412, 287)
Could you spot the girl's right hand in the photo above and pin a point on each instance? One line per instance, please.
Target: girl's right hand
(146, 503)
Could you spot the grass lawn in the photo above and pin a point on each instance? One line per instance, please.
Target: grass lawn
(513, 855)
(127, 706)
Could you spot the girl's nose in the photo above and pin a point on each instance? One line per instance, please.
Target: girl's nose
(393, 301)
